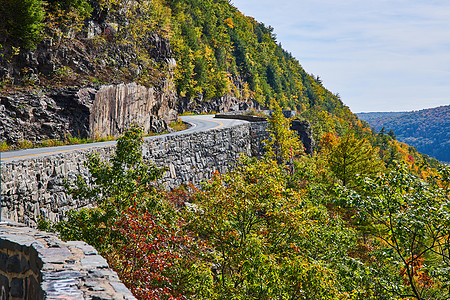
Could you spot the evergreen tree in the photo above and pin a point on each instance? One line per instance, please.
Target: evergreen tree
(350, 157)
(21, 22)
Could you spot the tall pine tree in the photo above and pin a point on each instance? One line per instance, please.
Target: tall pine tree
(21, 22)
(350, 157)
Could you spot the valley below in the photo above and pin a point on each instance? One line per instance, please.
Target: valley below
(427, 130)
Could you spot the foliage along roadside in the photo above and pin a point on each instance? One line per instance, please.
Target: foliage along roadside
(275, 227)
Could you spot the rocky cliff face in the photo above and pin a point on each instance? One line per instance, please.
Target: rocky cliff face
(222, 104)
(37, 116)
(304, 131)
(103, 98)
(84, 112)
(95, 52)
(116, 107)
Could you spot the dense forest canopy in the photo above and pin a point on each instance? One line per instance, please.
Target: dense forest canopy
(337, 225)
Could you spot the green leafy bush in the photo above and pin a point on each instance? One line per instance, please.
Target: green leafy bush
(82, 6)
(114, 187)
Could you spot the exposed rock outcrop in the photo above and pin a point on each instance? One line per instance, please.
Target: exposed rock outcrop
(304, 131)
(222, 104)
(90, 57)
(38, 116)
(116, 107)
(91, 54)
(84, 112)
(302, 127)
(86, 109)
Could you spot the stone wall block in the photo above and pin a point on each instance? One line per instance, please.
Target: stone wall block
(34, 290)
(3, 260)
(37, 269)
(36, 264)
(17, 264)
(34, 187)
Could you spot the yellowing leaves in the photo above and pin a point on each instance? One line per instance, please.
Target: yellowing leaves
(283, 143)
(328, 140)
(229, 22)
(350, 158)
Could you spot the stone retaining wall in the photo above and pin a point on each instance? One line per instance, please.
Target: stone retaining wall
(249, 118)
(38, 265)
(34, 187)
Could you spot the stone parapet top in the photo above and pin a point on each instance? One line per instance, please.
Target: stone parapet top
(64, 270)
(249, 118)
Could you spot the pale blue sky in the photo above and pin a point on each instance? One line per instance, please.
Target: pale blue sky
(379, 55)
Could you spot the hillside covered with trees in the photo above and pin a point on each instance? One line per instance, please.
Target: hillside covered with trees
(427, 130)
(206, 50)
(364, 217)
(218, 51)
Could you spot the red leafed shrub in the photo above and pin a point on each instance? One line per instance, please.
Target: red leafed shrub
(147, 261)
(178, 197)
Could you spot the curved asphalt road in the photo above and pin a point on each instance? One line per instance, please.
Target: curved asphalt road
(198, 124)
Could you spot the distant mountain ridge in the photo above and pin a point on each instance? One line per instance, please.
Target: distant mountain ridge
(369, 116)
(428, 130)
